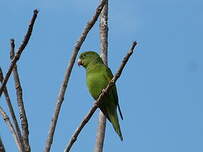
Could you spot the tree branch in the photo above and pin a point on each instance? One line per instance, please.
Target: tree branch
(10, 126)
(19, 94)
(100, 132)
(2, 149)
(103, 26)
(11, 110)
(20, 50)
(99, 99)
(64, 84)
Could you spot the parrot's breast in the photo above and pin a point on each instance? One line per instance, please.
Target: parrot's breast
(96, 83)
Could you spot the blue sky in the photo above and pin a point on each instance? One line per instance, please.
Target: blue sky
(160, 89)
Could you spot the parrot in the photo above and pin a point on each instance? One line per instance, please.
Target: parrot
(98, 76)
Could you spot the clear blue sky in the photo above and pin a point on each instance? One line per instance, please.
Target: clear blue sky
(160, 89)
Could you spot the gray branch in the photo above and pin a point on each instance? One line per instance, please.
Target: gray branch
(2, 149)
(19, 94)
(11, 110)
(20, 50)
(103, 26)
(99, 99)
(64, 84)
(11, 128)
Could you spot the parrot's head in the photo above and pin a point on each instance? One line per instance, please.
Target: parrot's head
(88, 58)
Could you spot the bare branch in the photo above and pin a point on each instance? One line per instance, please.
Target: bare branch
(64, 84)
(100, 133)
(99, 99)
(103, 26)
(11, 110)
(2, 149)
(19, 94)
(20, 50)
(10, 126)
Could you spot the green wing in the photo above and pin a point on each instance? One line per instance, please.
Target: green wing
(98, 77)
(108, 76)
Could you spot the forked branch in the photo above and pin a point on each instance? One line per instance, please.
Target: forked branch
(69, 68)
(11, 110)
(19, 52)
(11, 128)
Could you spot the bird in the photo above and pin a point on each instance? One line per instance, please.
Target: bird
(98, 76)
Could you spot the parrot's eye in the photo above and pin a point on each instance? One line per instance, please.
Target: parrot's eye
(82, 56)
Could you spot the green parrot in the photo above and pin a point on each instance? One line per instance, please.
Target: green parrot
(98, 76)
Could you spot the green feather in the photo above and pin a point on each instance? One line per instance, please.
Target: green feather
(98, 76)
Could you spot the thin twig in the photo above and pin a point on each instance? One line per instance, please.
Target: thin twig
(103, 26)
(20, 50)
(10, 126)
(19, 94)
(11, 110)
(64, 84)
(99, 99)
(2, 149)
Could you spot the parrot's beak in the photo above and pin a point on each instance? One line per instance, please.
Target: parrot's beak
(79, 62)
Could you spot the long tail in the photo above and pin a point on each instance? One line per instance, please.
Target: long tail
(115, 122)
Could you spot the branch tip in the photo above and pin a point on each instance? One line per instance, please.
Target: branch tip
(36, 11)
(134, 43)
(12, 40)
(133, 46)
